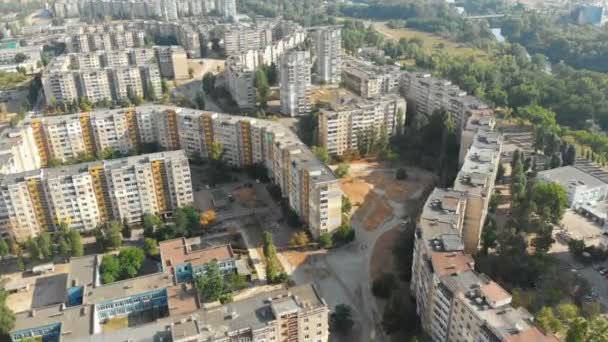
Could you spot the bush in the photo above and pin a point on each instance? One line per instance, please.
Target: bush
(325, 240)
(344, 234)
(401, 174)
(342, 170)
(150, 247)
(384, 285)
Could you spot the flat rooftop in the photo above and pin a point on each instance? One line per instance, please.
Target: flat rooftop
(442, 215)
(568, 176)
(181, 250)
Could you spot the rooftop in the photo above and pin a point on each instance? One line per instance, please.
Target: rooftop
(178, 251)
(571, 176)
(442, 217)
(446, 263)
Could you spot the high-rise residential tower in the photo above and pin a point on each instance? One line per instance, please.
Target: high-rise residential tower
(295, 83)
(328, 49)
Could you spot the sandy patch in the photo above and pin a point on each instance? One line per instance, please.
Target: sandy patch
(296, 258)
(375, 210)
(356, 189)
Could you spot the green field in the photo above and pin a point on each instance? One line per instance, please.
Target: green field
(9, 80)
(430, 41)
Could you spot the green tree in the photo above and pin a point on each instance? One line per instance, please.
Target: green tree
(342, 170)
(216, 151)
(3, 248)
(109, 269)
(236, 282)
(208, 83)
(200, 100)
(150, 247)
(262, 88)
(76, 246)
(341, 320)
(150, 222)
(346, 205)
(321, 154)
(547, 321)
(130, 260)
(7, 317)
(488, 235)
(550, 199)
(210, 285)
(45, 246)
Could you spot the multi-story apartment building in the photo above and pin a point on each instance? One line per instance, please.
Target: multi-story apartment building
(240, 80)
(63, 81)
(311, 189)
(429, 94)
(106, 41)
(328, 54)
(369, 80)
(146, 9)
(84, 195)
(294, 70)
(240, 68)
(59, 87)
(454, 302)
(476, 178)
(226, 8)
(172, 61)
(239, 39)
(342, 124)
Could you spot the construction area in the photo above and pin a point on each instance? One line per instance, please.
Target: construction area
(380, 206)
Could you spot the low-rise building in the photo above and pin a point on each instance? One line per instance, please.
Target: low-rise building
(582, 187)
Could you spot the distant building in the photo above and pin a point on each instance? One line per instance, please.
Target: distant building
(226, 8)
(342, 125)
(582, 188)
(590, 15)
(328, 51)
(294, 71)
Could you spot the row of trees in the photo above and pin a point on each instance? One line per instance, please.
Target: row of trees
(274, 270)
(64, 243)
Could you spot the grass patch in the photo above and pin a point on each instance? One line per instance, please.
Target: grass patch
(431, 42)
(10, 80)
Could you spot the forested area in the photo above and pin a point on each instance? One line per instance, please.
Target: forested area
(583, 47)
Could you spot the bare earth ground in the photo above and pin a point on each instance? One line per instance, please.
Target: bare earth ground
(343, 275)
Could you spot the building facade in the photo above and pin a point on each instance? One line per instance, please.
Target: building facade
(294, 71)
(310, 187)
(328, 54)
(341, 128)
(84, 195)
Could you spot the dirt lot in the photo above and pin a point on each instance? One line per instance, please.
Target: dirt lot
(374, 211)
(382, 254)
